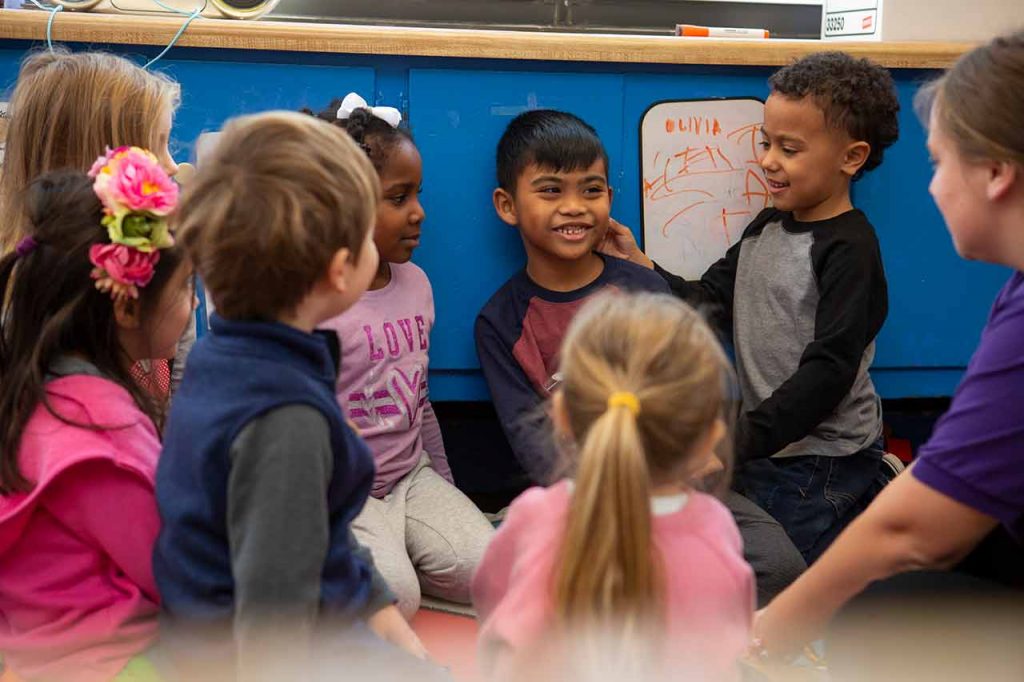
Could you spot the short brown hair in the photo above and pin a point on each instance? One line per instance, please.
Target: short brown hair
(279, 196)
(65, 110)
(979, 102)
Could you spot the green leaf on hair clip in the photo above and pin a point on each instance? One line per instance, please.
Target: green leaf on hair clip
(139, 230)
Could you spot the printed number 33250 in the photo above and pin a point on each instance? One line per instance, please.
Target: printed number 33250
(835, 24)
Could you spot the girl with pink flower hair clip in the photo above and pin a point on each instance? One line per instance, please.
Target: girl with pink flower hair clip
(66, 107)
(96, 286)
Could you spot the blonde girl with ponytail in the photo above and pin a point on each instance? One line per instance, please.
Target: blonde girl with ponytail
(626, 569)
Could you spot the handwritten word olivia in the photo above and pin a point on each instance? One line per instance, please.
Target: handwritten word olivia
(694, 124)
(414, 339)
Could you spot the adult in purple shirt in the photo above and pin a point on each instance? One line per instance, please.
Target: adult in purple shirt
(968, 481)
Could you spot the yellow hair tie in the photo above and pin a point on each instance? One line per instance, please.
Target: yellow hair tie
(624, 399)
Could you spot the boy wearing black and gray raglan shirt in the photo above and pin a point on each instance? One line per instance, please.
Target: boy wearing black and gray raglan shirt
(803, 295)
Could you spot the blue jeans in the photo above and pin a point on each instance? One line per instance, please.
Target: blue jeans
(814, 497)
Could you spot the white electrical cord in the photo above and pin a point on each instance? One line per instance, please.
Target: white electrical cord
(192, 16)
(49, 22)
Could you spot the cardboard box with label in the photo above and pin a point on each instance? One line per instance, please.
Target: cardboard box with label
(933, 20)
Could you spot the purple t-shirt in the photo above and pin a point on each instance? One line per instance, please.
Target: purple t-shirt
(976, 454)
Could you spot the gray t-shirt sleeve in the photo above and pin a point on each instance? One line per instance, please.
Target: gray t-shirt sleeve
(278, 530)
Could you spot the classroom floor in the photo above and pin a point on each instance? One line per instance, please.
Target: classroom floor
(451, 640)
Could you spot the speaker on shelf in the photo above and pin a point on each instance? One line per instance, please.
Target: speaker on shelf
(233, 9)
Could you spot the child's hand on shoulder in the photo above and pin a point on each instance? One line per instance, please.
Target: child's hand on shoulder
(619, 242)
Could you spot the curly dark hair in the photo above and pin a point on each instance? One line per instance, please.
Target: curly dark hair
(856, 95)
(375, 135)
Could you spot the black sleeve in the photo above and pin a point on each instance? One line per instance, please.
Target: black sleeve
(852, 306)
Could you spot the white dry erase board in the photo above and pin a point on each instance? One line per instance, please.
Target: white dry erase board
(701, 182)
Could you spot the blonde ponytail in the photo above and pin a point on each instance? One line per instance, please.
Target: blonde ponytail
(644, 381)
(607, 572)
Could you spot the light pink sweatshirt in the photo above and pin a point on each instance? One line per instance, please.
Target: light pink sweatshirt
(709, 588)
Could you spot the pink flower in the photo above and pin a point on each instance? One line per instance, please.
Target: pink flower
(130, 178)
(99, 163)
(110, 157)
(122, 264)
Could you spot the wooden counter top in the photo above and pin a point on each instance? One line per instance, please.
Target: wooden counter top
(267, 34)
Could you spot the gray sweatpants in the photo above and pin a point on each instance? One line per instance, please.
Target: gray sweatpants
(766, 547)
(424, 534)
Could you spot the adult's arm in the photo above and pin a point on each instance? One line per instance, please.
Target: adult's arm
(908, 527)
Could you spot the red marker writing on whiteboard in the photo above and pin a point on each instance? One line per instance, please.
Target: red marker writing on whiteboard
(691, 31)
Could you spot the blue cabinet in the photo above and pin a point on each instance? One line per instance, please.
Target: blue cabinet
(458, 108)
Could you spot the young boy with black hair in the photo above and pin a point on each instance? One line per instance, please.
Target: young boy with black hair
(553, 187)
(803, 295)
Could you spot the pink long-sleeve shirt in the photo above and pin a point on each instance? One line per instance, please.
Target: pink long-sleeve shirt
(382, 385)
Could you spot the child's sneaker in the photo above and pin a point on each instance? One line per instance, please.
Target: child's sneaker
(891, 466)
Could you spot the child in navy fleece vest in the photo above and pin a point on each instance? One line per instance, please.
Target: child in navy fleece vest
(260, 475)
